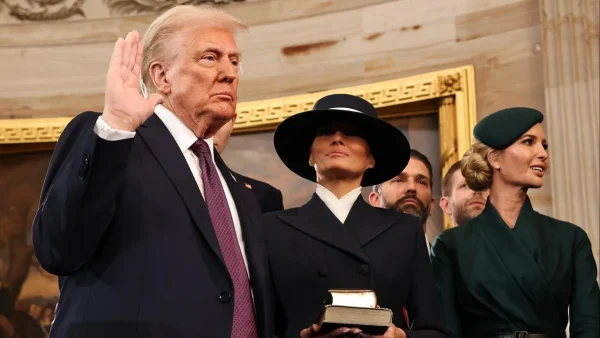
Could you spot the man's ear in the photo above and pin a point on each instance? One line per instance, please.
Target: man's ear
(374, 199)
(370, 160)
(158, 75)
(431, 206)
(445, 205)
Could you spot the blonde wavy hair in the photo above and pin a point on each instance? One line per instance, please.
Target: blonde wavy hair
(476, 167)
(165, 35)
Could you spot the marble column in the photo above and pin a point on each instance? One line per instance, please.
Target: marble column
(571, 79)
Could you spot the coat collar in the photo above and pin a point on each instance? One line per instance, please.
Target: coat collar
(525, 215)
(362, 225)
(368, 222)
(527, 278)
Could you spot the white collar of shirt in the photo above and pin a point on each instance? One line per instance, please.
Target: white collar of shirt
(183, 135)
(339, 207)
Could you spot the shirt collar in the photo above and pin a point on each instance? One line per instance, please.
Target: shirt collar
(184, 136)
(339, 207)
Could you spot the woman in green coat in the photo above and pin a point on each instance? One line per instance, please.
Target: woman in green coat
(511, 271)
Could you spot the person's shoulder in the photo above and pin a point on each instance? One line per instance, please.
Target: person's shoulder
(562, 229)
(557, 223)
(405, 222)
(275, 216)
(463, 229)
(257, 183)
(401, 217)
(458, 234)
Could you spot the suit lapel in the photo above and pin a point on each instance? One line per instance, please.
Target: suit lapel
(316, 220)
(165, 149)
(366, 222)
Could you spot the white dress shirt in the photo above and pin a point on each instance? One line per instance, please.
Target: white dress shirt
(339, 207)
(184, 137)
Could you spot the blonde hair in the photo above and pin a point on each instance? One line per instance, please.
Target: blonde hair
(161, 38)
(475, 166)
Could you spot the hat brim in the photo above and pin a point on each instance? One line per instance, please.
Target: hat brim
(389, 147)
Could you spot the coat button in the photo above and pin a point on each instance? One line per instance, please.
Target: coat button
(323, 272)
(87, 159)
(363, 269)
(225, 297)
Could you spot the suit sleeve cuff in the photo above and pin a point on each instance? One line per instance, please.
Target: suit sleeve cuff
(106, 132)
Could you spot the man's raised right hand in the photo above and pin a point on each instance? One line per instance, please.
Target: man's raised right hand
(124, 106)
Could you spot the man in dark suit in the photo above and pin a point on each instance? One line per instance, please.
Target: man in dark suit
(139, 217)
(410, 191)
(269, 197)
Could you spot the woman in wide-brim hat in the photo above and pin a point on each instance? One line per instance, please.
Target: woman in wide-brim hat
(337, 240)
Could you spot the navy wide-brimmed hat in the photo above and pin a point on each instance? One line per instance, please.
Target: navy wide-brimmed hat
(295, 135)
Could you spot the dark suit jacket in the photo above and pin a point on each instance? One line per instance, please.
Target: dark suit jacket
(269, 197)
(310, 252)
(125, 227)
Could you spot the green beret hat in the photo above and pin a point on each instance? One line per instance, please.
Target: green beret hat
(502, 128)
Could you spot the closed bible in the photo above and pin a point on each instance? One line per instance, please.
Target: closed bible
(354, 309)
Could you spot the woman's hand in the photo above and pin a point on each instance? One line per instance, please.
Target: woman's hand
(392, 332)
(342, 332)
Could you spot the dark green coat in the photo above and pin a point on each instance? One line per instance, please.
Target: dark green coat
(494, 280)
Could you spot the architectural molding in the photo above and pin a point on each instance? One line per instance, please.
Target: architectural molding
(43, 10)
(124, 7)
(50, 10)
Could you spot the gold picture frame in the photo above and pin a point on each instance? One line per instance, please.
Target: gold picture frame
(450, 91)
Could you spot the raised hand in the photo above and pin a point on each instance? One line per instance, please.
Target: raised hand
(124, 106)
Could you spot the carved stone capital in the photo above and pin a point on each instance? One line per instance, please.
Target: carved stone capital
(123, 7)
(46, 10)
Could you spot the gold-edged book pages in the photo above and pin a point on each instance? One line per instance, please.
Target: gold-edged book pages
(354, 309)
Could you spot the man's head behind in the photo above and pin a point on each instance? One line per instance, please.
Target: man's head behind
(221, 138)
(191, 58)
(410, 191)
(458, 201)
